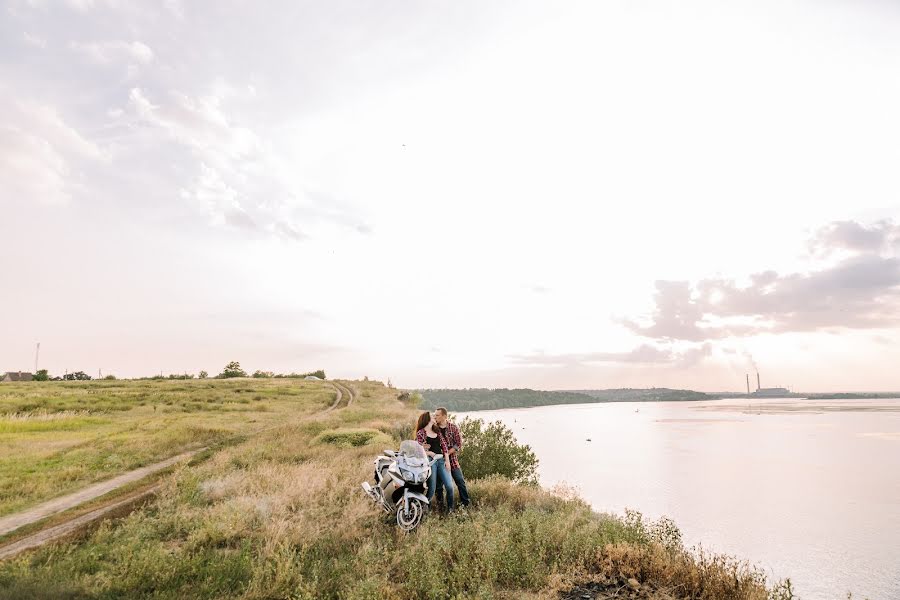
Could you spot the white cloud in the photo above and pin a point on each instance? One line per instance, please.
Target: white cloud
(39, 152)
(33, 40)
(105, 53)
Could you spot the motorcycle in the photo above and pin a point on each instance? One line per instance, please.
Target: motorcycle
(401, 480)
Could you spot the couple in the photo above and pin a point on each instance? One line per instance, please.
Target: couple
(442, 438)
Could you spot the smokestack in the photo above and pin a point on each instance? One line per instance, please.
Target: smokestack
(748, 384)
(757, 381)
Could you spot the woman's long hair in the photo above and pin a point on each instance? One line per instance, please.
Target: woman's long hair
(423, 421)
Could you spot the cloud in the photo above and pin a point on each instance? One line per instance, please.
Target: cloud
(105, 53)
(854, 237)
(862, 291)
(33, 40)
(210, 192)
(39, 154)
(643, 354)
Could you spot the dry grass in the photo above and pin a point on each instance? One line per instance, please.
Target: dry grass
(60, 436)
(282, 516)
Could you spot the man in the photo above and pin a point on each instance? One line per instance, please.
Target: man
(453, 438)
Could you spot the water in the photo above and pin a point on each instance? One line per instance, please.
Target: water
(804, 489)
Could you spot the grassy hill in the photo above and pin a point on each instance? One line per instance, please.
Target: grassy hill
(489, 399)
(276, 512)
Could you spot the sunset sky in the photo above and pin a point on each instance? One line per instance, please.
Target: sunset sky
(454, 194)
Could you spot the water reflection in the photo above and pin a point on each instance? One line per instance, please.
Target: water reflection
(806, 489)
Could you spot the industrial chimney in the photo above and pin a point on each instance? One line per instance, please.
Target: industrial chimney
(757, 381)
(748, 384)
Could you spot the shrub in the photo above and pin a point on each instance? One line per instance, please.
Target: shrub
(41, 375)
(233, 369)
(351, 438)
(203, 374)
(263, 374)
(412, 399)
(492, 449)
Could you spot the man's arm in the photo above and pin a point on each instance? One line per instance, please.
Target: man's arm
(457, 438)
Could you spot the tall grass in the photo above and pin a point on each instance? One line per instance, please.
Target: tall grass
(56, 437)
(281, 515)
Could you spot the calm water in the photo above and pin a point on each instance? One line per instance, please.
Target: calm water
(805, 489)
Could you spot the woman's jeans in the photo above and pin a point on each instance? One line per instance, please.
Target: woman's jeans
(439, 469)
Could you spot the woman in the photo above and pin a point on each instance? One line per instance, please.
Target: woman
(435, 445)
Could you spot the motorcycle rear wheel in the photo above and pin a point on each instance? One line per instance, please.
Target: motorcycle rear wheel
(410, 520)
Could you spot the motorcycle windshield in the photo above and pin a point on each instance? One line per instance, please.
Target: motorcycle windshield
(412, 449)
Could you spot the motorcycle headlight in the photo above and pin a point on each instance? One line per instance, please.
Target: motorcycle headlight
(409, 476)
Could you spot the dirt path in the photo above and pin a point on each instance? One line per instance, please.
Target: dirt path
(15, 521)
(53, 533)
(337, 399)
(346, 390)
(57, 505)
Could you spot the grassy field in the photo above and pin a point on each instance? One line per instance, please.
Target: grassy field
(57, 437)
(281, 515)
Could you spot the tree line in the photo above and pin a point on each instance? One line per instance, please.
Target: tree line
(472, 399)
(231, 370)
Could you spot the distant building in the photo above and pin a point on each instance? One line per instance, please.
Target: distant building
(17, 376)
(777, 392)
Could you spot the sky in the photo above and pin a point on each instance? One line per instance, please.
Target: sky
(454, 194)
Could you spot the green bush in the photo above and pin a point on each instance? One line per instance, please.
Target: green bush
(492, 449)
(232, 369)
(350, 438)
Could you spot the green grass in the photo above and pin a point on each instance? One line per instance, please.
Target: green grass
(281, 515)
(57, 437)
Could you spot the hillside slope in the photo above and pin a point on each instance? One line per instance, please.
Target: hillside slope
(281, 515)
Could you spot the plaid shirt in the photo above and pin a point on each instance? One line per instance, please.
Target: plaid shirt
(427, 442)
(452, 439)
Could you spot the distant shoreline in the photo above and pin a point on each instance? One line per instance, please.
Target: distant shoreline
(476, 399)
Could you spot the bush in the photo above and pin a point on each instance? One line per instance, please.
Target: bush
(110, 378)
(232, 369)
(492, 449)
(413, 399)
(263, 374)
(203, 374)
(351, 438)
(41, 375)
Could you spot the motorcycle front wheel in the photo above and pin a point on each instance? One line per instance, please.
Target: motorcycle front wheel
(409, 520)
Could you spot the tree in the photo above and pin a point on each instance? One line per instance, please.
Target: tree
(41, 375)
(263, 374)
(77, 376)
(320, 374)
(233, 369)
(492, 449)
(203, 374)
(110, 377)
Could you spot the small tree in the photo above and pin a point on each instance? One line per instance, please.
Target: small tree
(320, 374)
(233, 369)
(263, 374)
(203, 374)
(110, 377)
(41, 375)
(492, 449)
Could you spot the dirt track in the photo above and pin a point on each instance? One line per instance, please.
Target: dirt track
(57, 505)
(15, 521)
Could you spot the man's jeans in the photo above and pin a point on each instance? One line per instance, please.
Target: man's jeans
(460, 483)
(439, 478)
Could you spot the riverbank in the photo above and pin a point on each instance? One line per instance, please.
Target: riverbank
(281, 515)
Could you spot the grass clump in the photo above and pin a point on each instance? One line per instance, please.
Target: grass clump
(352, 438)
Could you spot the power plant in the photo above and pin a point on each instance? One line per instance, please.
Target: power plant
(775, 392)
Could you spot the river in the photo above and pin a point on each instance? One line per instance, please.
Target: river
(804, 489)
